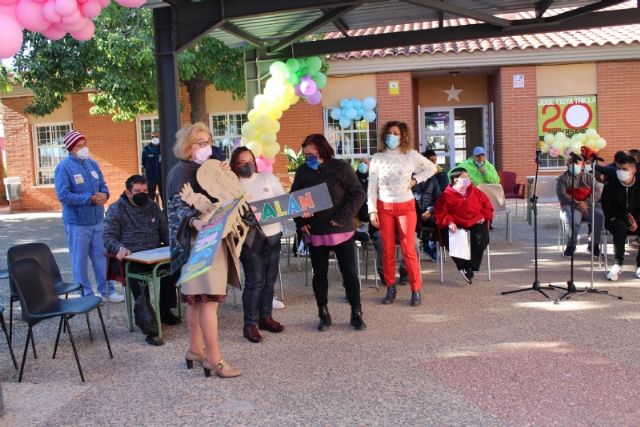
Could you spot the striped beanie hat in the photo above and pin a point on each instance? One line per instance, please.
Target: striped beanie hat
(72, 138)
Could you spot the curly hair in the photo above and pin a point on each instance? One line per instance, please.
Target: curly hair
(405, 142)
(325, 151)
(185, 137)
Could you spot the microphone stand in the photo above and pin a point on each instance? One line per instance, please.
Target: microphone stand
(591, 289)
(534, 209)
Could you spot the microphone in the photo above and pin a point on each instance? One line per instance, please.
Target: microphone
(576, 157)
(538, 154)
(588, 153)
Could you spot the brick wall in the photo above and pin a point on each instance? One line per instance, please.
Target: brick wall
(402, 107)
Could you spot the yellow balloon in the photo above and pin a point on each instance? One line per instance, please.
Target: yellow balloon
(249, 131)
(268, 138)
(575, 147)
(275, 113)
(270, 150)
(253, 114)
(258, 100)
(256, 147)
(548, 138)
(592, 133)
(244, 141)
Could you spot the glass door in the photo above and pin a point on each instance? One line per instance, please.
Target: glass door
(438, 134)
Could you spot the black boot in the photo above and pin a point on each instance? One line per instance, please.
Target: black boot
(356, 319)
(391, 295)
(416, 299)
(325, 318)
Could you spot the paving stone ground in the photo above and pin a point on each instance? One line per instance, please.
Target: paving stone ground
(467, 356)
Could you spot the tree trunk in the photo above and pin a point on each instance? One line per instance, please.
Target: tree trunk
(196, 89)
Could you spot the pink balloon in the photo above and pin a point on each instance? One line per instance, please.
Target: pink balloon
(104, 3)
(75, 16)
(30, 16)
(49, 12)
(11, 36)
(85, 33)
(9, 11)
(314, 98)
(131, 3)
(90, 9)
(308, 86)
(8, 2)
(66, 7)
(54, 32)
(72, 27)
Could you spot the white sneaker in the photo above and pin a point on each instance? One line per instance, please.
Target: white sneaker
(277, 304)
(638, 272)
(114, 297)
(615, 272)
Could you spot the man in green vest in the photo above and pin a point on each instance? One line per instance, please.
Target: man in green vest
(479, 169)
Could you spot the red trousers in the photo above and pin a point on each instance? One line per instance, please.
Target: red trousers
(400, 218)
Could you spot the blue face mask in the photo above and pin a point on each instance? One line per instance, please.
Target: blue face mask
(363, 168)
(312, 162)
(392, 141)
(576, 169)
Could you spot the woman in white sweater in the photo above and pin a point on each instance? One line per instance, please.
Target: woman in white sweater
(394, 169)
(259, 263)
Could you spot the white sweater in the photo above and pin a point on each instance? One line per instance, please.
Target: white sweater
(390, 174)
(264, 185)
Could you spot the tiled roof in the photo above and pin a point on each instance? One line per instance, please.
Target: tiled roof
(625, 34)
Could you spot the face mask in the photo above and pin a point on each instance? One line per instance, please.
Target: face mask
(83, 153)
(155, 141)
(203, 154)
(312, 162)
(392, 141)
(623, 175)
(576, 169)
(478, 164)
(363, 168)
(140, 199)
(588, 168)
(464, 182)
(246, 170)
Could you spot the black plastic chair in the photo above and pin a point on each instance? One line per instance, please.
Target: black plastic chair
(39, 302)
(6, 335)
(41, 253)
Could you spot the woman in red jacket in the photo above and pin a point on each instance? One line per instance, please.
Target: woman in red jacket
(463, 206)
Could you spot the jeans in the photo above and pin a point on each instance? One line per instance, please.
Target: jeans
(260, 275)
(479, 236)
(402, 270)
(619, 230)
(565, 216)
(85, 242)
(400, 218)
(348, 264)
(167, 287)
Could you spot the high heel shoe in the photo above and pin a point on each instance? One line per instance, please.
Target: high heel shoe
(222, 369)
(191, 357)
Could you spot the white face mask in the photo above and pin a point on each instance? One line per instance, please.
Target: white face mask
(83, 153)
(202, 154)
(623, 175)
(155, 141)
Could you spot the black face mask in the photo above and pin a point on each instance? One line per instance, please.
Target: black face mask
(246, 170)
(140, 199)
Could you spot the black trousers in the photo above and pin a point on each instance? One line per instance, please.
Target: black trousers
(168, 298)
(151, 188)
(348, 264)
(619, 230)
(479, 237)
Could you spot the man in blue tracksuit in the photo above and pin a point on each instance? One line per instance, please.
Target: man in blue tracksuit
(81, 189)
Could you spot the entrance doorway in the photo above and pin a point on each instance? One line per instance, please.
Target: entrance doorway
(453, 132)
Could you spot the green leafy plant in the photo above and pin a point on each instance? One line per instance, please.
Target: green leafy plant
(294, 159)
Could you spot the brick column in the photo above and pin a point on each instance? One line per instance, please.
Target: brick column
(402, 107)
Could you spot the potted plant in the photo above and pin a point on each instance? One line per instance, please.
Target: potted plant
(294, 160)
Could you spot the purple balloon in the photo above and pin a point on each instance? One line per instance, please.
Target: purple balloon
(308, 87)
(314, 98)
(297, 90)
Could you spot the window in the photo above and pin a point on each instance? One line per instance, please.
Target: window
(226, 130)
(358, 140)
(49, 150)
(147, 126)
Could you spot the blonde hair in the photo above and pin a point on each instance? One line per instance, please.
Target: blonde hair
(185, 137)
(405, 142)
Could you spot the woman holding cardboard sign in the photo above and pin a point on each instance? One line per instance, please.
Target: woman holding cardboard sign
(331, 229)
(259, 261)
(203, 293)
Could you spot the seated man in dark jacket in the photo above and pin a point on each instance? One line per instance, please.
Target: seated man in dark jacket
(135, 223)
(621, 207)
(426, 194)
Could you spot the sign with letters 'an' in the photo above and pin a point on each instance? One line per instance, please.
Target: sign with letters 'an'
(292, 205)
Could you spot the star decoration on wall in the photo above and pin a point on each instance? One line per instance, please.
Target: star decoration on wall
(453, 93)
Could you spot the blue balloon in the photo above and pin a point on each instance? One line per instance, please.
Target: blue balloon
(345, 123)
(349, 104)
(369, 103)
(343, 102)
(356, 103)
(352, 113)
(336, 113)
(369, 116)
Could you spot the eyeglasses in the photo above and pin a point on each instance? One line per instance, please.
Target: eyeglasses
(203, 143)
(246, 163)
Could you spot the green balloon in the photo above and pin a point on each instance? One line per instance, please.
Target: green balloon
(314, 63)
(293, 65)
(321, 80)
(294, 79)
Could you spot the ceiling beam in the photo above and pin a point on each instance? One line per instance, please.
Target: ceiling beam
(581, 11)
(464, 32)
(241, 34)
(311, 27)
(542, 6)
(461, 11)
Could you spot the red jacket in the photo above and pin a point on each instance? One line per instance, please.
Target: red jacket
(464, 211)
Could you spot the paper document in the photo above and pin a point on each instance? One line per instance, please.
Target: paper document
(459, 244)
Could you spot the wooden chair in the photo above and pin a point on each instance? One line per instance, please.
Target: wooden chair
(512, 190)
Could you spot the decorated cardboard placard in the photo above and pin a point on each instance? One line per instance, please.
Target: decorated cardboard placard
(292, 205)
